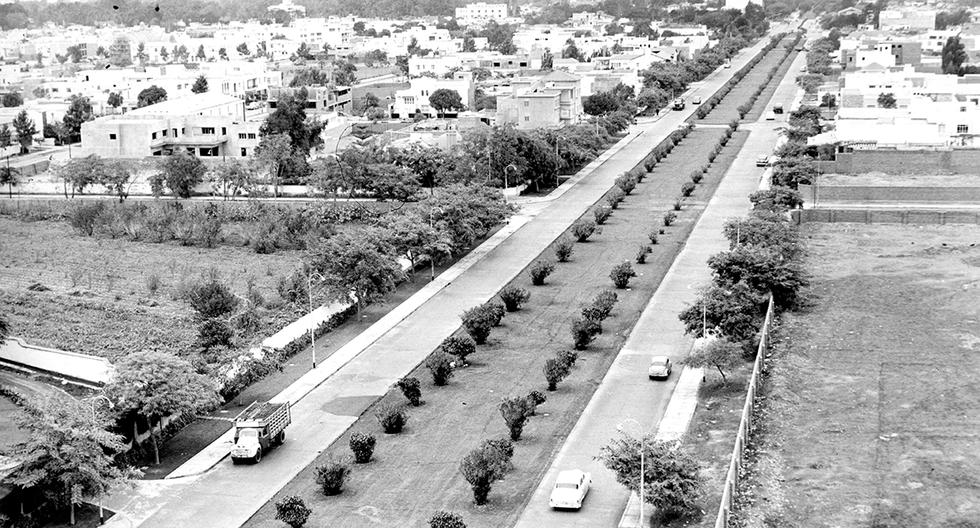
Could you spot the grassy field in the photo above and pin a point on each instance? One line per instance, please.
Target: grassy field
(870, 416)
(97, 301)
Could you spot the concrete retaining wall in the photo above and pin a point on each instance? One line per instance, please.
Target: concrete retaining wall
(82, 367)
(886, 216)
(855, 193)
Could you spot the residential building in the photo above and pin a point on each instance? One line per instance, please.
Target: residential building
(552, 99)
(415, 99)
(206, 125)
(480, 13)
(932, 41)
(319, 99)
(741, 4)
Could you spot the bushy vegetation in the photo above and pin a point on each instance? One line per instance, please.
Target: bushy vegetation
(362, 445)
(514, 297)
(332, 476)
(412, 390)
(540, 271)
(392, 418)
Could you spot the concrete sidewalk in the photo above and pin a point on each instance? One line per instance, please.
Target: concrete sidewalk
(626, 394)
(363, 371)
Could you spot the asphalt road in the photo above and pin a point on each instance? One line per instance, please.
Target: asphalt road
(626, 393)
(228, 495)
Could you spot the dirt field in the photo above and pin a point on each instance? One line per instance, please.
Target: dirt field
(98, 302)
(871, 415)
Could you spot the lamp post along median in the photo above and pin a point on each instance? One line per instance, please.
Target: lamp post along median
(309, 291)
(95, 418)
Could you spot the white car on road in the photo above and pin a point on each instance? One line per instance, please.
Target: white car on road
(660, 367)
(570, 489)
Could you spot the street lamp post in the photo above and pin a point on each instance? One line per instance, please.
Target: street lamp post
(642, 441)
(309, 291)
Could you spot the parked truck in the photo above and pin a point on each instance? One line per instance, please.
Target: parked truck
(259, 428)
(679, 103)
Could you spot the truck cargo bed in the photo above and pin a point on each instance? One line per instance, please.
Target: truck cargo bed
(259, 412)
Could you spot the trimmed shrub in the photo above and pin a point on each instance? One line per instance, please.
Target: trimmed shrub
(669, 218)
(515, 412)
(687, 189)
(697, 176)
(601, 214)
(459, 347)
(604, 303)
(621, 274)
(332, 476)
(626, 182)
(567, 358)
(777, 199)
(514, 297)
(539, 272)
(583, 332)
(705, 168)
(583, 229)
(533, 399)
(653, 238)
(362, 445)
(615, 196)
(392, 418)
(495, 311)
(478, 322)
(292, 511)
(412, 389)
(641, 253)
(554, 372)
(678, 204)
(444, 519)
(563, 249)
(440, 365)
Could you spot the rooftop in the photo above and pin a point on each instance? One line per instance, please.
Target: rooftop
(188, 105)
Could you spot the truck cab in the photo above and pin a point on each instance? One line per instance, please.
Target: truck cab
(679, 103)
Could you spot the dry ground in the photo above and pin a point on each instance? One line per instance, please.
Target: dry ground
(870, 417)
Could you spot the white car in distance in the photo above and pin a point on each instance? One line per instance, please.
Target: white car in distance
(570, 489)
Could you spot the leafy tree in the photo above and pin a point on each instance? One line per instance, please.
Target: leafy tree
(459, 347)
(345, 73)
(671, 477)
(554, 372)
(79, 111)
(75, 53)
(600, 103)
(478, 322)
(200, 84)
(776, 199)
(469, 45)
(242, 49)
(718, 353)
(828, 100)
(791, 172)
(358, 267)
(233, 178)
(762, 269)
(4, 329)
(115, 100)
(514, 297)
(275, 151)
(480, 468)
(116, 178)
(621, 274)
(547, 60)
(411, 389)
(292, 510)
(289, 117)
(25, 129)
(440, 365)
(584, 331)
(392, 418)
(200, 55)
(571, 51)
(179, 173)
(886, 100)
(540, 270)
(953, 55)
(223, 54)
(946, 19)
(214, 333)
(416, 240)
(465, 212)
(779, 236)
(515, 412)
(152, 95)
(653, 98)
(152, 385)
(68, 455)
(444, 99)
(734, 312)
(164, 54)
(12, 100)
(444, 519)
(9, 176)
(141, 55)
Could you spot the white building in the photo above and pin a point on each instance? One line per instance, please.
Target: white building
(741, 4)
(415, 99)
(480, 13)
(910, 19)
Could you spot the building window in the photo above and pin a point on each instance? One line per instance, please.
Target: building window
(409, 100)
(962, 129)
(153, 135)
(164, 132)
(175, 132)
(251, 136)
(207, 130)
(244, 152)
(242, 136)
(527, 118)
(112, 136)
(224, 131)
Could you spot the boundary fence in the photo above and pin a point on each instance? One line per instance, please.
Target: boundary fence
(745, 425)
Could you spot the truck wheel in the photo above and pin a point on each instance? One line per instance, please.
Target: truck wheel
(281, 438)
(258, 455)
(235, 461)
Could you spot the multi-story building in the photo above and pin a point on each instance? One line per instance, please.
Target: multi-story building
(415, 99)
(319, 99)
(553, 99)
(493, 61)
(206, 125)
(907, 19)
(480, 13)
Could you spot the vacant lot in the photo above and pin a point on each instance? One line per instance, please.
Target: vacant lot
(97, 300)
(871, 417)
